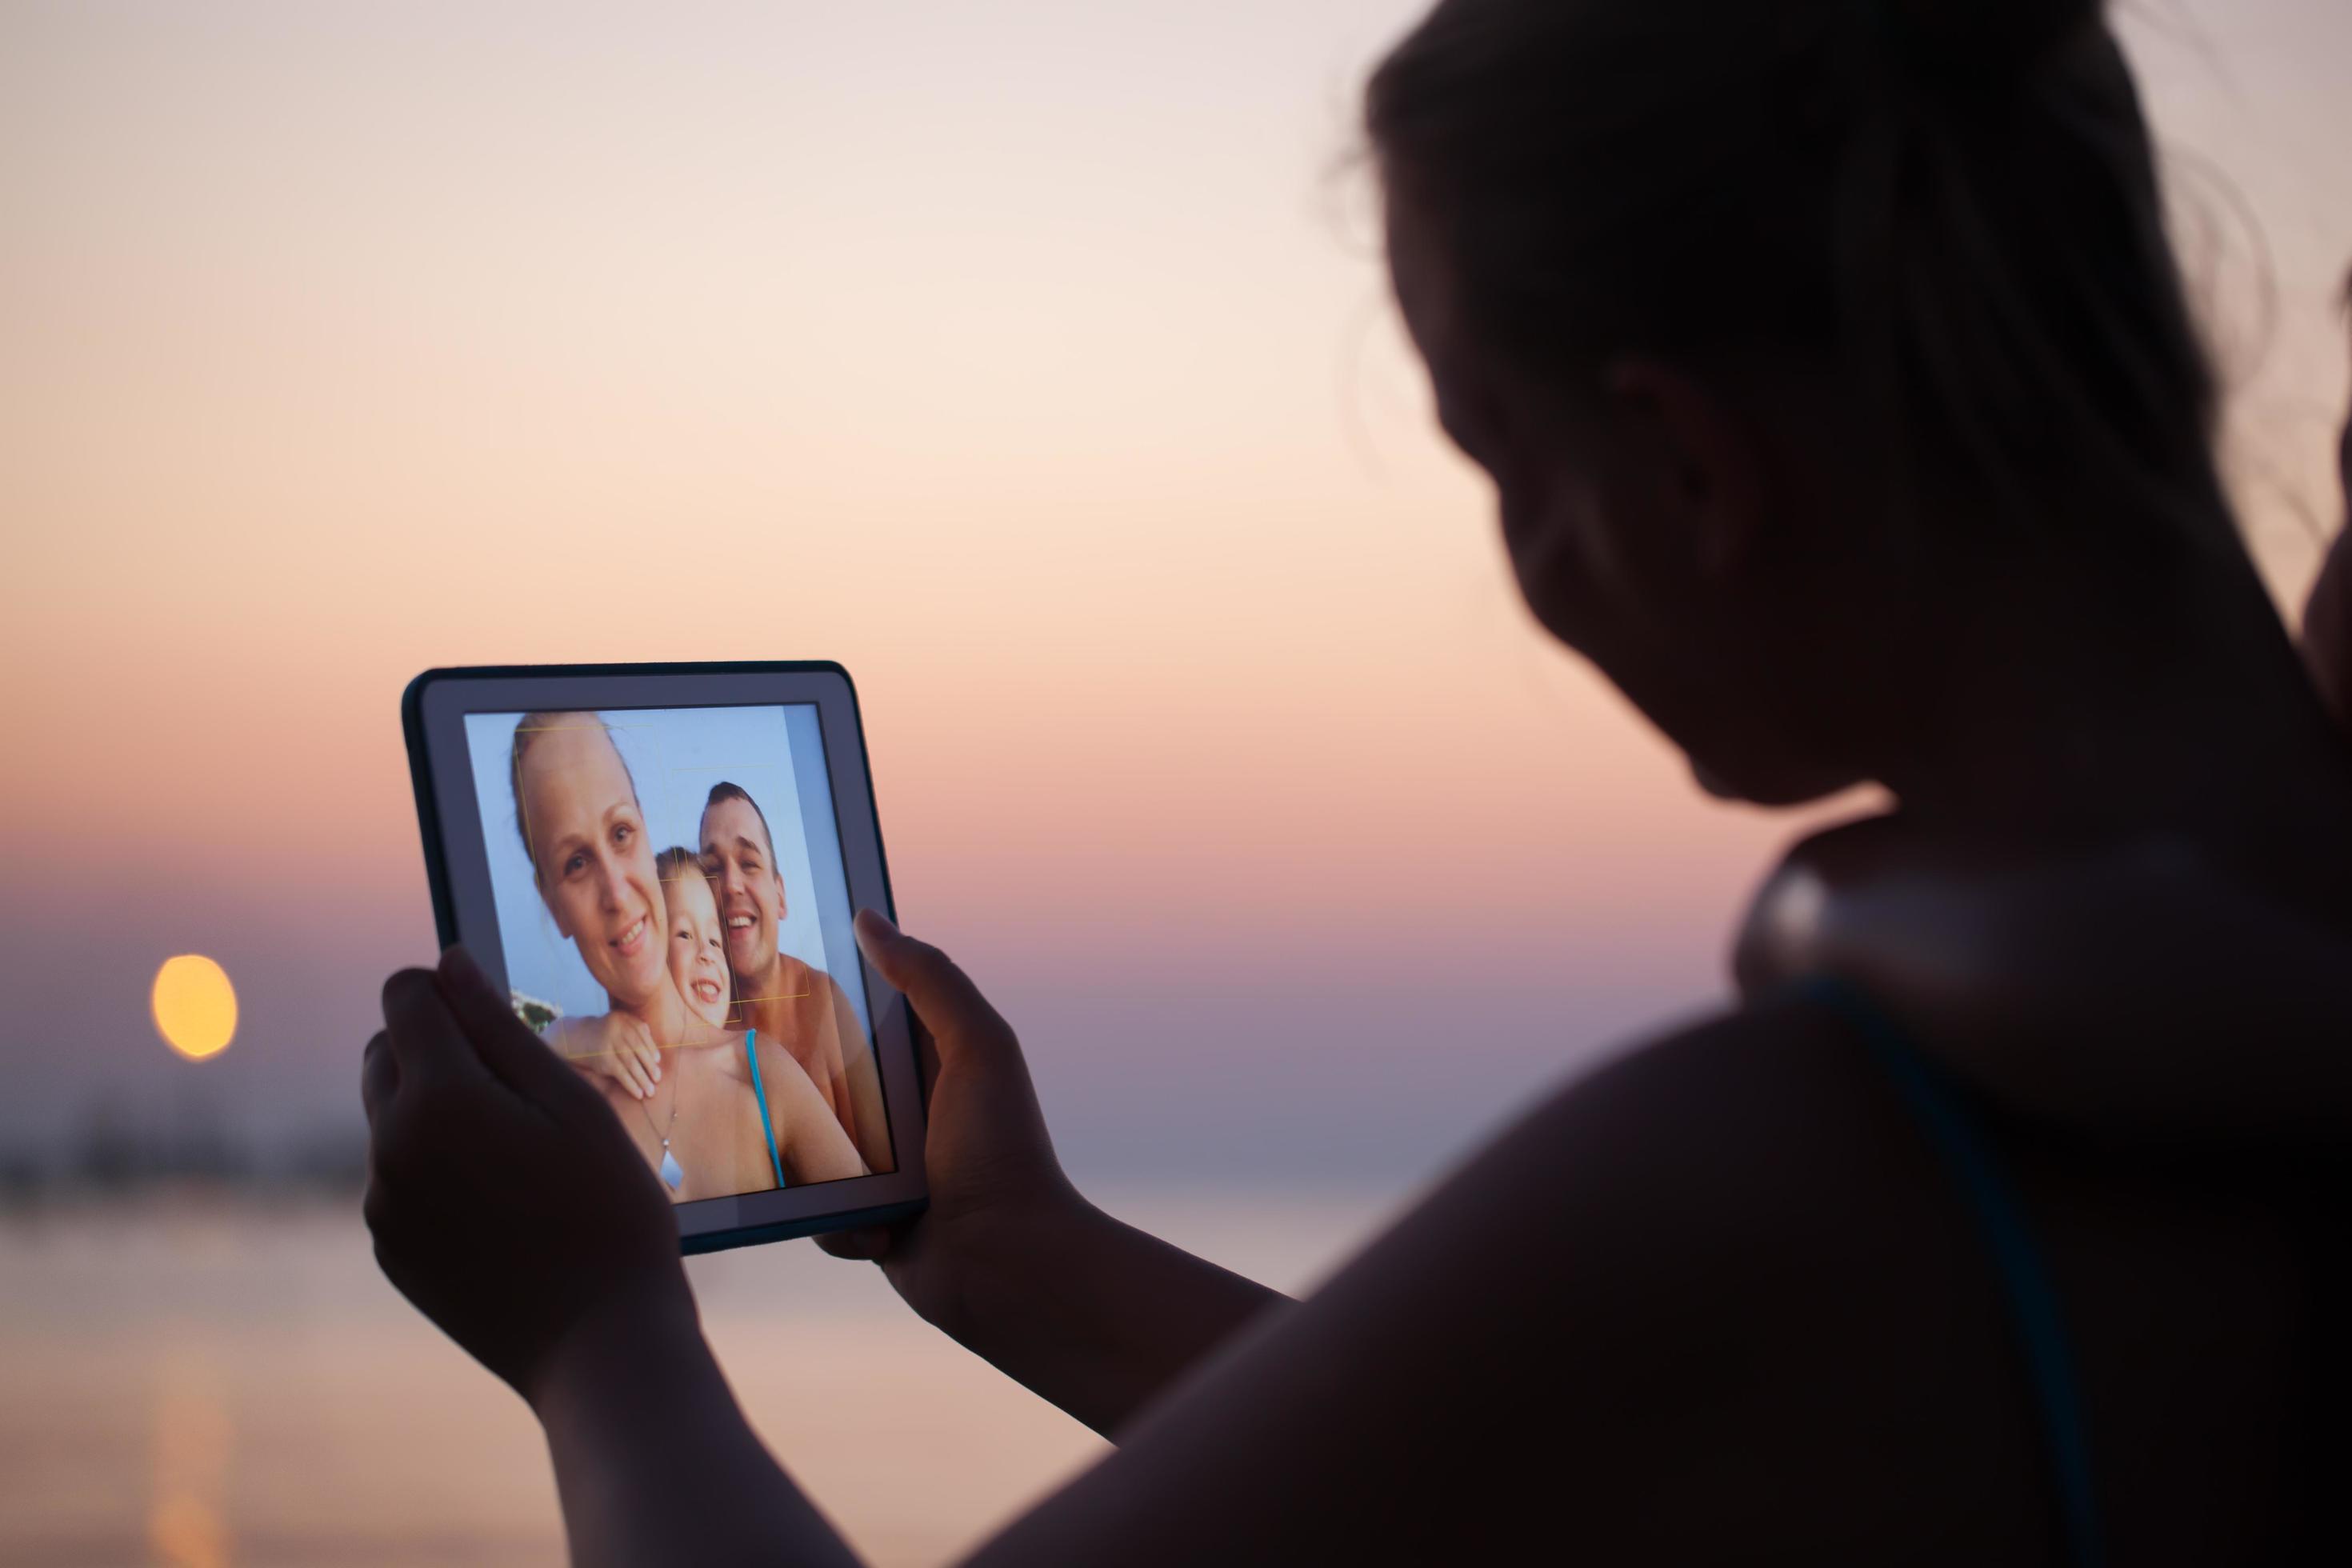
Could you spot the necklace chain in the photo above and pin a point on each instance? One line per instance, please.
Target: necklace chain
(677, 1093)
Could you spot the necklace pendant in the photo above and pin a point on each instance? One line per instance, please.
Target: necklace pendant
(671, 1171)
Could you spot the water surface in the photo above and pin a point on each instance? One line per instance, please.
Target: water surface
(197, 1382)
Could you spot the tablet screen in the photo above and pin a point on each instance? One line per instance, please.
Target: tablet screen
(674, 914)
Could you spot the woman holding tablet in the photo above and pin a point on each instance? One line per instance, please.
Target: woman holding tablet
(1844, 408)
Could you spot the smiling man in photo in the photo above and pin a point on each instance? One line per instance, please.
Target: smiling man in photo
(787, 1000)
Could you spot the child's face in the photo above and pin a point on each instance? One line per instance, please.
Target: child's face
(698, 949)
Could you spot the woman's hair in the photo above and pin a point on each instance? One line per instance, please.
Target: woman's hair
(677, 862)
(1949, 205)
(527, 733)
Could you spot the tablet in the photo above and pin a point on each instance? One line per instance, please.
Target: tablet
(660, 862)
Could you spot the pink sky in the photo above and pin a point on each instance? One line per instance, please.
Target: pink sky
(1029, 359)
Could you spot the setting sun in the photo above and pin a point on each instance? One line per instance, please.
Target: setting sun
(196, 1006)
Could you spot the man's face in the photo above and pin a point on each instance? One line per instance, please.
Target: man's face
(742, 866)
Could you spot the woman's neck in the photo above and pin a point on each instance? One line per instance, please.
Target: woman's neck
(2072, 719)
(663, 1013)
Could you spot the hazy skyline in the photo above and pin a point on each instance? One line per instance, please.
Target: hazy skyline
(1032, 360)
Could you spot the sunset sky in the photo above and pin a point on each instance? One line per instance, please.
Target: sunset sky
(1031, 359)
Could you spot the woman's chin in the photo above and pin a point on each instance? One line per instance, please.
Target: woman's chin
(634, 986)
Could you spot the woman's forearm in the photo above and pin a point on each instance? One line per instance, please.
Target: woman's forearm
(1097, 1317)
(653, 1461)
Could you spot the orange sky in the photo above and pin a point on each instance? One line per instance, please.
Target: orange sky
(1031, 359)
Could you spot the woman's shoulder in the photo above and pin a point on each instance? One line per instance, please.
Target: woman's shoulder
(1774, 1107)
(781, 1073)
(1722, 1290)
(2139, 988)
(1721, 1244)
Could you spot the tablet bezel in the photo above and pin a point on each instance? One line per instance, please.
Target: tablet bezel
(457, 864)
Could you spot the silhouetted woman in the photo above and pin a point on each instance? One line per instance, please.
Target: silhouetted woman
(1843, 407)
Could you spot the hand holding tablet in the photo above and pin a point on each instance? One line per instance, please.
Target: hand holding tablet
(489, 1160)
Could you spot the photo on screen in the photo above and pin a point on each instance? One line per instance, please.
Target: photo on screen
(676, 919)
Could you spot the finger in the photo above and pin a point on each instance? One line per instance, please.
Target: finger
(2327, 618)
(649, 1056)
(502, 1043)
(950, 1004)
(867, 1245)
(379, 1077)
(425, 1036)
(618, 1061)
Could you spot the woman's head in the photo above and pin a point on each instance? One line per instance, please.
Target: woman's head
(1782, 325)
(698, 947)
(581, 825)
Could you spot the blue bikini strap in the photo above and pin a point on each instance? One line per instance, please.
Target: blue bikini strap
(750, 1039)
(1942, 1114)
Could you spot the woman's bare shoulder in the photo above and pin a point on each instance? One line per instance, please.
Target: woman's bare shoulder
(2141, 990)
(781, 1073)
(1769, 1112)
(1674, 1310)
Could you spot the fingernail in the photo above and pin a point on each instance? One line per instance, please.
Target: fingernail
(874, 924)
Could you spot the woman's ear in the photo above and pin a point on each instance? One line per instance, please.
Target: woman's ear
(1679, 463)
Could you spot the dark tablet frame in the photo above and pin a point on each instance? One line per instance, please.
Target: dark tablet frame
(456, 866)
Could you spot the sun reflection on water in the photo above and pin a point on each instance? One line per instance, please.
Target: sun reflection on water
(186, 1519)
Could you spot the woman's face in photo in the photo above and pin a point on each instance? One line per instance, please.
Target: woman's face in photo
(595, 866)
(697, 951)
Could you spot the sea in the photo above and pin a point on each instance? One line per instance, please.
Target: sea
(200, 1378)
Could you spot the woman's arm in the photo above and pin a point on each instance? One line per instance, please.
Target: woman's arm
(507, 1203)
(611, 1045)
(654, 1460)
(1088, 1313)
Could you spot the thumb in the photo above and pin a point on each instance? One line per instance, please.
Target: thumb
(942, 995)
(515, 1055)
(866, 1245)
